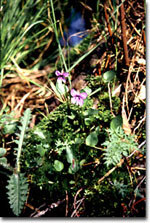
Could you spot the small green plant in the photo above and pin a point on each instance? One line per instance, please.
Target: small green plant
(118, 145)
(71, 142)
(122, 188)
(64, 140)
(17, 183)
(8, 123)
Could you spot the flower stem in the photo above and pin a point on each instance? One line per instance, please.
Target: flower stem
(110, 101)
(56, 34)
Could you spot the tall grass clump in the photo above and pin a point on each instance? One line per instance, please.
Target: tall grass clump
(22, 26)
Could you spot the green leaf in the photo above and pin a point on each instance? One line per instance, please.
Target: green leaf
(3, 161)
(9, 128)
(82, 162)
(17, 192)
(73, 168)
(41, 150)
(118, 144)
(39, 132)
(56, 91)
(90, 112)
(97, 130)
(92, 139)
(69, 155)
(109, 75)
(78, 141)
(61, 88)
(2, 152)
(72, 116)
(125, 153)
(71, 182)
(25, 120)
(116, 122)
(39, 161)
(87, 90)
(58, 165)
(87, 121)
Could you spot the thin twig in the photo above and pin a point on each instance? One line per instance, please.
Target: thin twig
(75, 199)
(123, 28)
(140, 122)
(144, 37)
(37, 210)
(75, 211)
(137, 202)
(107, 21)
(140, 183)
(50, 207)
(142, 144)
(66, 203)
(110, 171)
(130, 114)
(134, 198)
(110, 101)
(127, 81)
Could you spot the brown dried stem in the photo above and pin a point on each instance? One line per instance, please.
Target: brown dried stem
(107, 21)
(123, 29)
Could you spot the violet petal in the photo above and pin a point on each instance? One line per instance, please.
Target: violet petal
(73, 92)
(80, 101)
(57, 73)
(73, 100)
(61, 79)
(65, 74)
(83, 95)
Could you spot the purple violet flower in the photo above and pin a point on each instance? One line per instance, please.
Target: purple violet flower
(77, 97)
(61, 76)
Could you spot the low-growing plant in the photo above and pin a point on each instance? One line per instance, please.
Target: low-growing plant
(71, 142)
(67, 144)
(118, 146)
(8, 123)
(17, 183)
